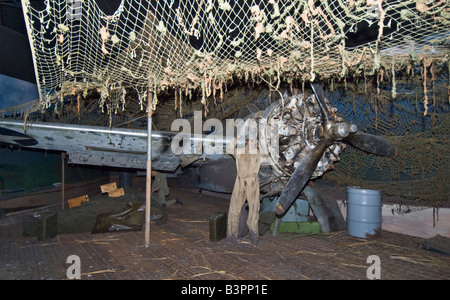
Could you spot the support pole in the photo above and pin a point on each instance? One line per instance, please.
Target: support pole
(148, 193)
(276, 226)
(63, 158)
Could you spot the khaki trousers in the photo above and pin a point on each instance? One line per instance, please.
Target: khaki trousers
(244, 189)
(162, 198)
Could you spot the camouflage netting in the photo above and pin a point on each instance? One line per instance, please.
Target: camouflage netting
(203, 44)
(385, 66)
(421, 171)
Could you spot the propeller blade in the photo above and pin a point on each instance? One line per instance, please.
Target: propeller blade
(372, 144)
(301, 176)
(325, 209)
(320, 95)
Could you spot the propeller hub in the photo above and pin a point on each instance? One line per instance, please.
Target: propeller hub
(342, 130)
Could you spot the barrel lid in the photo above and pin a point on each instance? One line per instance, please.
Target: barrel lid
(359, 190)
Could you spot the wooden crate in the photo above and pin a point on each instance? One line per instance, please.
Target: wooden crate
(106, 188)
(116, 193)
(74, 202)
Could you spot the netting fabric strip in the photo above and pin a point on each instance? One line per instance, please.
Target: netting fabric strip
(202, 44)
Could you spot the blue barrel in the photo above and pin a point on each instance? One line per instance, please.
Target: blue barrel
(363, 212)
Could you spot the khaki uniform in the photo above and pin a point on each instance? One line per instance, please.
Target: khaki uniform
(162, 189)
(246, 187)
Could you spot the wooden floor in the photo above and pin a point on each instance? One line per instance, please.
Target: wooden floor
(181, 249)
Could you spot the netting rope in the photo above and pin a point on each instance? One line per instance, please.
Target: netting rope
(202, 44)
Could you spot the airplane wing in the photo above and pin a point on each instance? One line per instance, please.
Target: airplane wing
(89, 145)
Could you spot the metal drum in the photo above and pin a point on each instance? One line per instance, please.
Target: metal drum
(363, 212)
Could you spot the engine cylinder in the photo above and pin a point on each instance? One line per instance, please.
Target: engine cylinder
(299, 127)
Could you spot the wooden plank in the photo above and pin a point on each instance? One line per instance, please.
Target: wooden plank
(116, 193)
(49, 195)
(106, 188)
(74, 202)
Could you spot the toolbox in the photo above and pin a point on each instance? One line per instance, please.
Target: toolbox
(218, 226)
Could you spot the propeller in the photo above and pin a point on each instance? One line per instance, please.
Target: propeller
(332, 130)
(371, 143)
(301, 176)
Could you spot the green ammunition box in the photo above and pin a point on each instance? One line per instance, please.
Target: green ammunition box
(218, 226)
(41, 224)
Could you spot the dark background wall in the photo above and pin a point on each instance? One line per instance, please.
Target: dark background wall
(28, 169)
